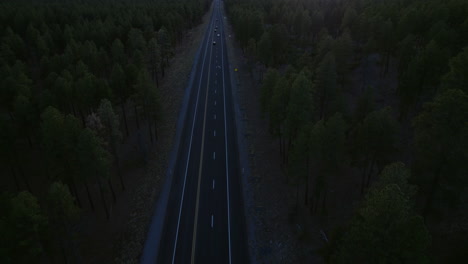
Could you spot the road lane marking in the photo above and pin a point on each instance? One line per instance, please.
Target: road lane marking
(195, 222)
(214, 155)
(215, 102)
(214, 133)
(211, 221)
(215, 91)
(190, 145)
(226, 149)
(213, 183)
(215, 117)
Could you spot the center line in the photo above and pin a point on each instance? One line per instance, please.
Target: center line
(214, 155)
(195, 224)
(213, 183)
(211, 221)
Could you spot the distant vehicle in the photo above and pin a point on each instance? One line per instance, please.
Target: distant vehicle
(219, 35)
(215, 29)
(214, 42)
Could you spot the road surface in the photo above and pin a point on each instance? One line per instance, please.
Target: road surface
(204, 219)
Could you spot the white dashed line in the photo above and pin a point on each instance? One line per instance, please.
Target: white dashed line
(215, 117)
(214, 155)
(214, 133)
(213, 183)
(215, 102)
(211, 221)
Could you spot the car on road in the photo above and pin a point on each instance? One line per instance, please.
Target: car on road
(214, 42)
(219, 35)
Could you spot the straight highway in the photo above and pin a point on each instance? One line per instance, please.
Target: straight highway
(205, 219)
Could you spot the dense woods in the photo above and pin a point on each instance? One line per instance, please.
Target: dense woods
(73, 75)
(353, 88)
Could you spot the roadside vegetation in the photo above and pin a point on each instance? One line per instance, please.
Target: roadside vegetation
(375, 91)
(73, 75)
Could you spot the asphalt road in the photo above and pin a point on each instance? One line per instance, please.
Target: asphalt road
(204, 220)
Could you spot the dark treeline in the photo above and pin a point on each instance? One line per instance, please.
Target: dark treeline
(73, 75)
(316, 61)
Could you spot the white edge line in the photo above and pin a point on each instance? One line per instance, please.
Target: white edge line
(190, 145)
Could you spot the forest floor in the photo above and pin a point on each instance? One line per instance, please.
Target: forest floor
(281, 235)
(143, 166)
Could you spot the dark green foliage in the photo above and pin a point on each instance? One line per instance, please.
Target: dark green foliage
(269, 82)
(403, 54)
(386, 229)
(58, 61)
(22, 225)
(457, 76)
(300, 110)
(441, 145)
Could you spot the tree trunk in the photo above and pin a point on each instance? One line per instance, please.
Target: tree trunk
(125, 117)
(114, 199)
(78, 201)
(89, 196)
(12, 117)
(387, 63)
(117, 162)
(369, 174)
(306, 196)
(297, 197)
(318, 194)
(155, 132)
(280, 147)
(324, 201)
(322, 105)
(136, 116)
(73, 109)
(24, 179)
(64, 253)
(103, 199)
(13, 173)
(157, 79)
(29, 140)
(430, 198)
(363, 180)
(83, 119)
(146, 114)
